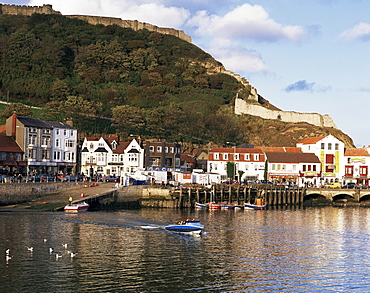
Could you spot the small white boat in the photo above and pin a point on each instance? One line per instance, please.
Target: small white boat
(201, 205)
(78, 207)
(187, 227)
(249, 206)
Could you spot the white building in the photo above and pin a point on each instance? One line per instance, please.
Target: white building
(108, 156)
(64, 147)
(249, 162)
(330, 152)
(356, 166)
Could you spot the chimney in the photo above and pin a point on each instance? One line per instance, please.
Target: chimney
(69, 122)
(14, 124)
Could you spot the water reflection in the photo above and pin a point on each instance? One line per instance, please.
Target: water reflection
(315, 249)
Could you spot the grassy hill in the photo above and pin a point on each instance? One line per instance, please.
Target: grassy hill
(113, 79)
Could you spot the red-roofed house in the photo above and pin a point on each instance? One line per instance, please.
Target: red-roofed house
(250, 162)
(11, 156)
(330, 152)
(356, 166)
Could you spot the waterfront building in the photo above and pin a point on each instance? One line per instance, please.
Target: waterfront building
(330, 152)
(356, 166)
(35, 137)
(164, 156)
(64, 147)
(11, 156)
(248, 163)
(293, 168)
(108, 156)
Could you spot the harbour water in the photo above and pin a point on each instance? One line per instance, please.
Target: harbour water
(277, 250)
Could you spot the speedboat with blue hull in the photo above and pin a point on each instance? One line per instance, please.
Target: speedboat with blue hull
(187, 226)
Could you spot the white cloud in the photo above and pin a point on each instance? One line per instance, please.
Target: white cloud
(245, 22)
(141, 10)
(361, 31)
(241, 61)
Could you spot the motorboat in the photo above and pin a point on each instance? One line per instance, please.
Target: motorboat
(258, 205)
(187, 226)
(77, 207)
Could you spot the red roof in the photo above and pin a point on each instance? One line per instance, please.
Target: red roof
(311, 140)
(351, 152)
(7, 144)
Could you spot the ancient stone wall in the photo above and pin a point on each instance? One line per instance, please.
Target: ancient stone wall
(242, 107)
(133, 24)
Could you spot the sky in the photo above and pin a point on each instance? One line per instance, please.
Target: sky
(309, 56)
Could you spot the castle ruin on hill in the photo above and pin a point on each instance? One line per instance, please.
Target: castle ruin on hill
(132, 24)
(247, 105)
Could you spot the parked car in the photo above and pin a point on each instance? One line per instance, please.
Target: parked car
(349, 185)
(266, 182)
(333, 185)
(111, 179)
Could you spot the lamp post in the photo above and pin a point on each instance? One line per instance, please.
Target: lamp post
(233, 161)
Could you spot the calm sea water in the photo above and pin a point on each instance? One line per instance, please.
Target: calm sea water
(293, 250)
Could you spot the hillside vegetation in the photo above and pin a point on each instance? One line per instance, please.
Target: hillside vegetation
(113, 79)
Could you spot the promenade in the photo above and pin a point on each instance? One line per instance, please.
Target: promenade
(55, 201)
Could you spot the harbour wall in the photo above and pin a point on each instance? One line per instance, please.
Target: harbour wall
(11, 193)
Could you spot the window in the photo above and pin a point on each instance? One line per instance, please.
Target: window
(256, 157)
(171, 150)
(71, 132)
(273, 167)
(278, 166)
(46, 131)
(151, 149)
(283, 167)
(57, 132)
(337, 146)
(69, 143)
(329, 146)
(45, 155)
(236, 156)
(294, 168)
(114, 158)
(225, 156)
(247, 157)
(322, 146)
(314, 168)
(159, 149)
(57, 142)
(32, 139)
(65, 132)
(217, 156)
(3, 156)
(45, 140)
(166, 149)
(304, 168)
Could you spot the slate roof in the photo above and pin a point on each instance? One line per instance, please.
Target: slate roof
(280, 157)
(36, 122)
(351, 152)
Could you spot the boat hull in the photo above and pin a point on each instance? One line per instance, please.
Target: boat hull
(189, 227)
(249, 206)
(76, 208)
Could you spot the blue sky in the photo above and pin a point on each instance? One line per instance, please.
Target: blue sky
(303, 56)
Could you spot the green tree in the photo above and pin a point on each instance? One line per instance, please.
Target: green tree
(20, 109)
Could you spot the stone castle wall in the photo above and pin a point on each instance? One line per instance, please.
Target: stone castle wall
(133, 24)
(242, 107)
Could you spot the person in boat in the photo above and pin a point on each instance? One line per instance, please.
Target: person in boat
(70, 200)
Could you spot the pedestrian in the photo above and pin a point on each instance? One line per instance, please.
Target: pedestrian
(70, 200)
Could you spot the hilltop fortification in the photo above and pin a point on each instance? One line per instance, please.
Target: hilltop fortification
(133, 24)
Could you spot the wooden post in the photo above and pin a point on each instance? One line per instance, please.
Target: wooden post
(198, 195)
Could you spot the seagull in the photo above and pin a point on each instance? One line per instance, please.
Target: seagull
(7, 258)
(45, 240)
(50, 250)
(73, 254)
(7, 251)
(57, 256)
(30, 249)
(65, 245)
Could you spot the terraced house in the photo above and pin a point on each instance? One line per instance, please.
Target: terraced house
(48, 147)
